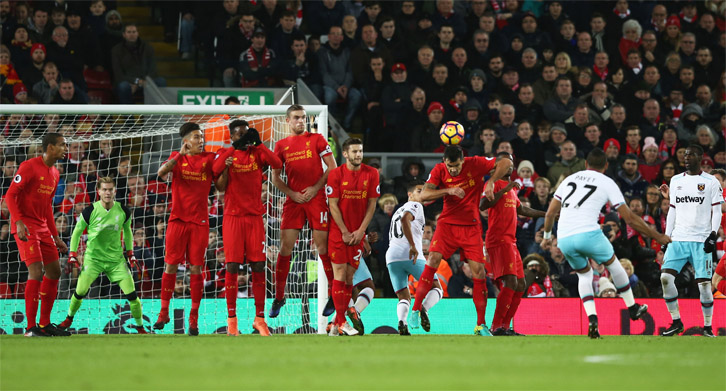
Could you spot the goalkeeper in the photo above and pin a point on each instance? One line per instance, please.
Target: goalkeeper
(107, 222)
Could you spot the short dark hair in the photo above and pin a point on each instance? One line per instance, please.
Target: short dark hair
(453, 153)
(235, 124)
(696, 148)
(129, 24)
(231, 99)
(597, 159)
(187, 128)
(10, 158)
(50, 138)
(504, 154)
(295, 107)
(412, 184)
(286, 14)
(351, 141)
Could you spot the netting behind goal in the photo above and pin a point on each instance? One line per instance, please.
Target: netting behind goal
(130, 147)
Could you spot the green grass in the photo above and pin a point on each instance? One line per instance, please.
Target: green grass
(391, 362)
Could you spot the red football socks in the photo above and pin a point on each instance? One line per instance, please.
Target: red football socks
(258, 290)
(328, 267)
(424, 286)
(196, 286)
(479, 294)
(504, 301)
(230, 293)
(48, 293)
(31, 301)
(282, 269)
(168, 280)
(340, 299)
(516, 299)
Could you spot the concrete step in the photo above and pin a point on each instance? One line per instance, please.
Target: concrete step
(163, 49)
(183, 68)
(151, 32)
(187, 82)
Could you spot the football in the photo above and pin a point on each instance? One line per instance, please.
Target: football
(451, 133)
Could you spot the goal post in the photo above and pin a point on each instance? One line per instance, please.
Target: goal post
(129, 142)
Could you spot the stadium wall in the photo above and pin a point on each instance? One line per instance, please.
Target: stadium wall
(450, 316)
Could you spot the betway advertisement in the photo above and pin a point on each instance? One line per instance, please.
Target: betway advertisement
(449, 316)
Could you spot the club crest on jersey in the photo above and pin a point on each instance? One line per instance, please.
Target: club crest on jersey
(42, 178)
(345, 183)
(701, 187)
(17, 179)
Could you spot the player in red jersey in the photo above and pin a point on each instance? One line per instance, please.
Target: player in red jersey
(240, 171)
(30, 202)
(301, 153)
(192, 175)
(352, 193)
(460, 181)
(503, 257)
(719, 276)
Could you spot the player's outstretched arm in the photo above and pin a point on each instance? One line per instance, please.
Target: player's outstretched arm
(486, 203)
(529, 212)
(639, 225)
(500, 170)
(406, 228)
(552, 212)
(430, 193)
(269, 157)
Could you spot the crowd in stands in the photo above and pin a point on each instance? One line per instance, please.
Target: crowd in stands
(547, 81)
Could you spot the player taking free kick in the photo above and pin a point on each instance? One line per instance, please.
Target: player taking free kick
(460, 181)
(301, 153)
(352, 193)
(191, 179)
(30, 202)
(107, 221)
(240, 171)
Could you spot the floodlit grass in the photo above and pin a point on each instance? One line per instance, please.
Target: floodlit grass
(391, 362)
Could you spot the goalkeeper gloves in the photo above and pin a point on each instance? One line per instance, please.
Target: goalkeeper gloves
(251, 138)
(709, 245)
(132, 260)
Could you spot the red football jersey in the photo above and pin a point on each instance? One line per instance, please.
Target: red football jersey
(244, 178)
(190, 183)
(302, 156)
(353, 189)
(30, 196)
(503, 217)
(462, 211)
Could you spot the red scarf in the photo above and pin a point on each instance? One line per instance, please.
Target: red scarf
(601, 73)
(677, 110)
(536, 291)
(254, 62)
(665, 151)
(622, 15)
(629, 149)
(683, 17)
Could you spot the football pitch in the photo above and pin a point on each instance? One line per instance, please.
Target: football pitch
(371, 362)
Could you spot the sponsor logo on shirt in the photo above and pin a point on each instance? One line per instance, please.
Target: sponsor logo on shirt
(689, 199)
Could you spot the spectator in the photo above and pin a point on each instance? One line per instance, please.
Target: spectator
(649, 165)
(561, 272)
(112, 35)
(562, 105)
(630, 39)
(524, 145)
(486, 139)
(441, 90)
(412, 169)
(426, 138)
(569, 163)
(629, 180)
(133, 61)
(393, 42)
(335, 67)
(558, 135)
(67, 94)
(632, 139)
(81, 36)
(38, 27)
(529, 69)
(584, 54)
(545, 85)
(68, 58)
(537, 281)
(507, 128)
(667, 170)
(415, 113)
(325, 15)
(711, 109)
(650, 51)
(351, 38)
(360, 56)
(638, 287)
(33, 72)
(705, 137)
(472, 121)
(687, 49)
(446, 16)
(234, 40)
(372, 90)
(422, 70)
(460, 72)
(541, 197)
(576, 124)
(20, 47)
(593, 139)
(381, 225)
(496, 70)
(691, 117)
(460, 284)
(258, 65)
(599, 103)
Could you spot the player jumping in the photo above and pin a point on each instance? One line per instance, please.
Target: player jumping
(301, 153)
(503, 257)
(405, 255)
(692, 223)
(107, 221)
(352, 192)
(241, 169)
(460, 181)
(578, 202)
(30, 202)
(192, 175)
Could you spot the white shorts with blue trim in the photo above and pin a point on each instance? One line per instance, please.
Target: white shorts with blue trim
(578, 248)
(362, 273)
(680, 253)
(400, 270)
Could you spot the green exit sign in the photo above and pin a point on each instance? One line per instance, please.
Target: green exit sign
(212, 97)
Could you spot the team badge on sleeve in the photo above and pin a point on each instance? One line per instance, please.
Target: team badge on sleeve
(378, 189)
(17, 179)
(328, 190)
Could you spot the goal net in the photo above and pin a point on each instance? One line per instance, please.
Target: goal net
(129, 143)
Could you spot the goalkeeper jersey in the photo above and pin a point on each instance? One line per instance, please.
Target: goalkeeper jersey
(106, 228)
